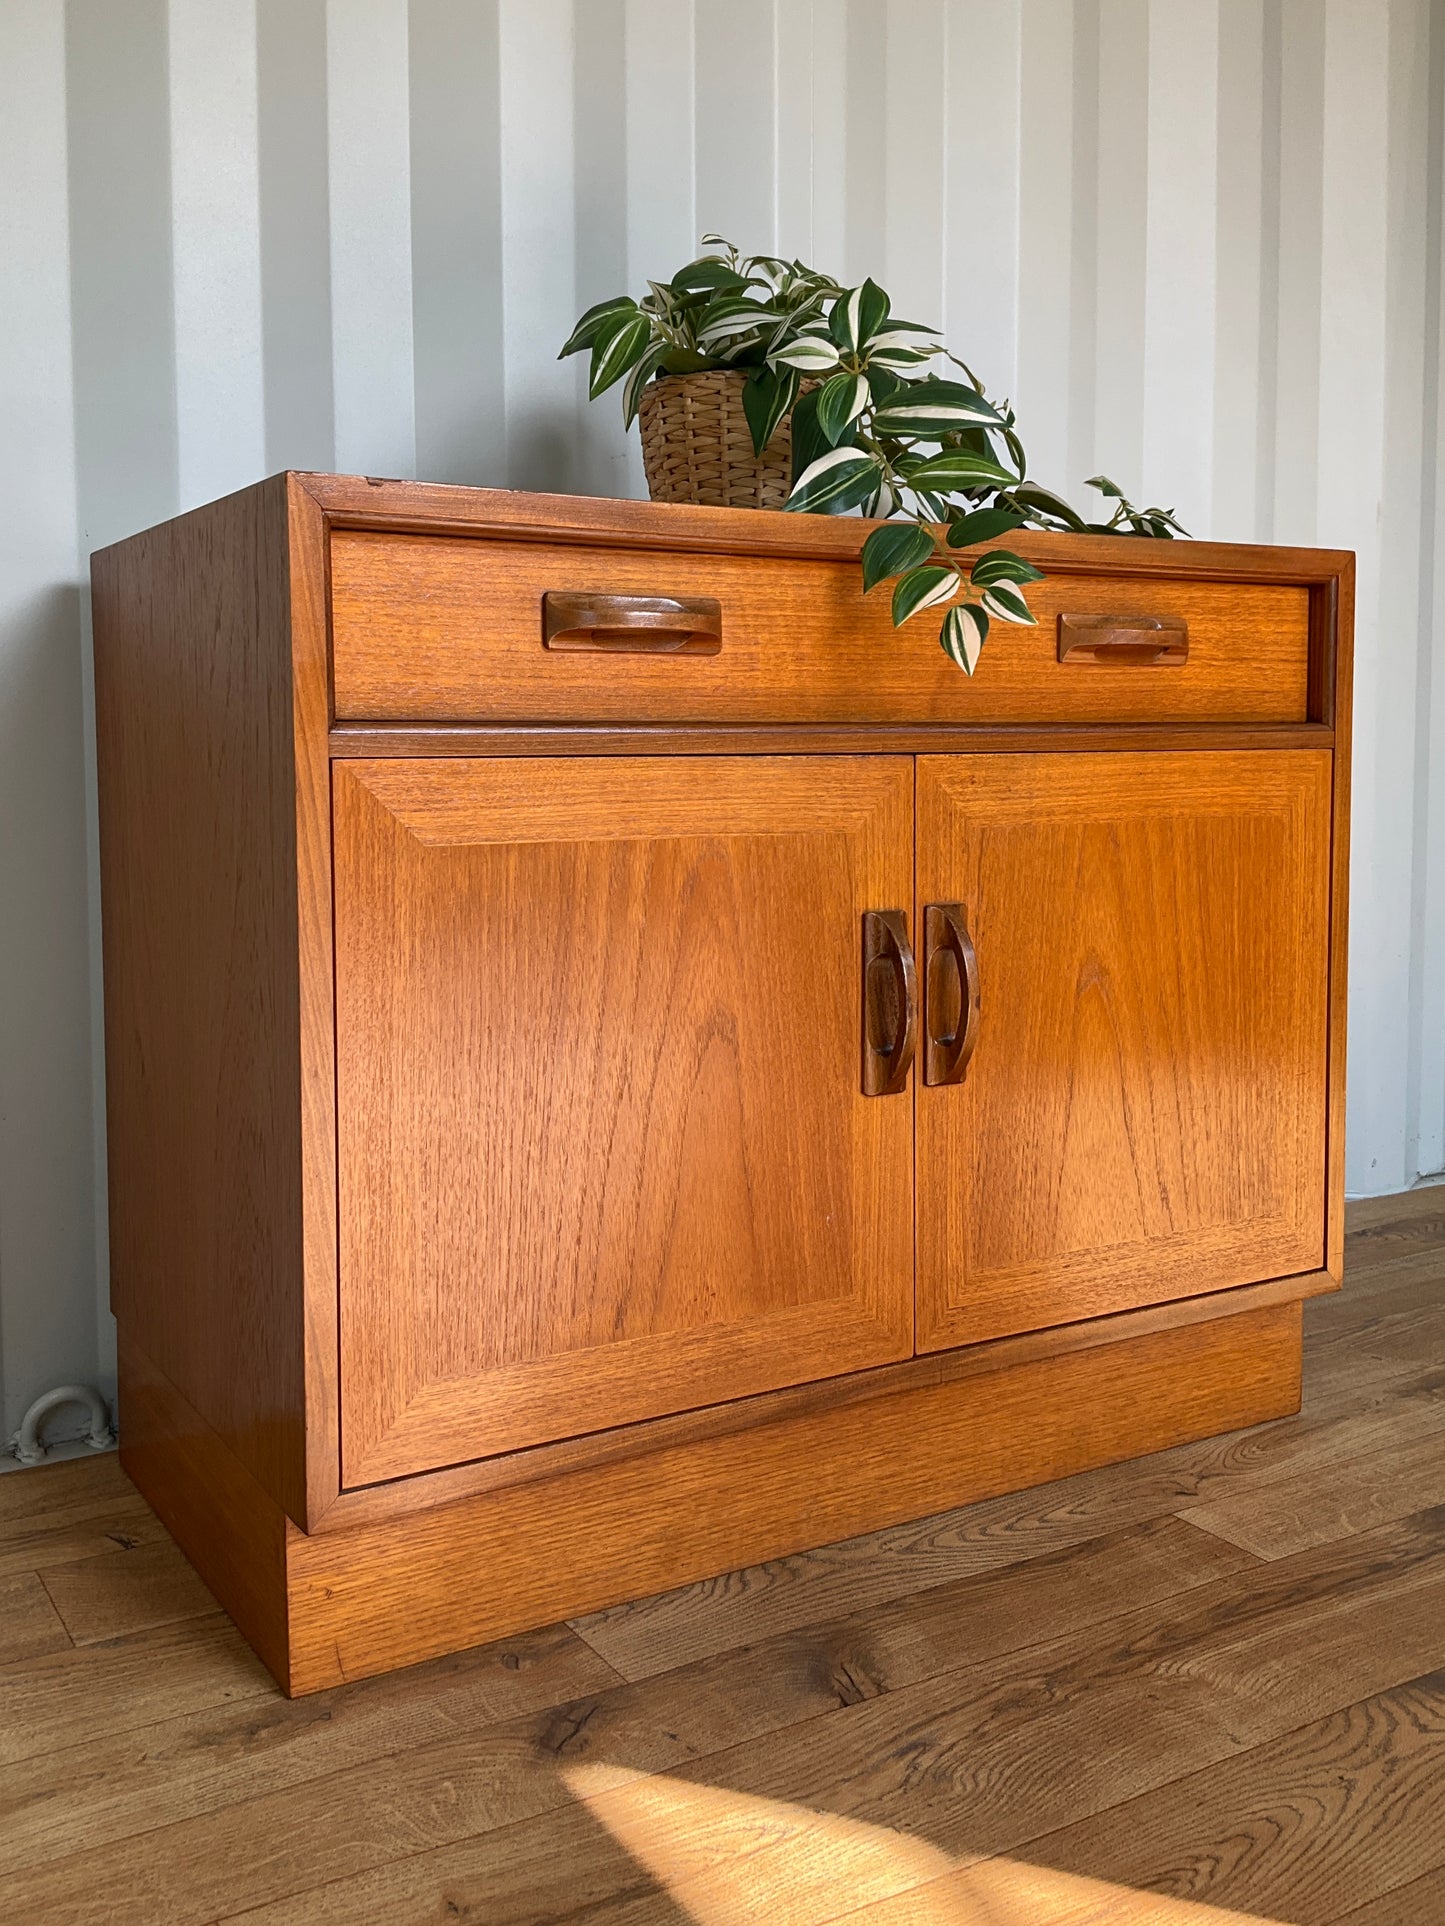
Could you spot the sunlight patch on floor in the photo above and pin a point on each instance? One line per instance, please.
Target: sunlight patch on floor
(730, 1859)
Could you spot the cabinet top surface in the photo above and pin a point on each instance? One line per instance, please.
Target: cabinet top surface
(453, 509)
(445, 508)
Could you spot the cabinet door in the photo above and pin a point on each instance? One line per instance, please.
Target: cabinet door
(1143, 1114)
(604, 1152)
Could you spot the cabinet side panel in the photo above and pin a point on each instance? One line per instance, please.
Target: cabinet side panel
(194, 733)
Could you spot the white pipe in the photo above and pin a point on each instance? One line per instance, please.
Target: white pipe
(27, 1445)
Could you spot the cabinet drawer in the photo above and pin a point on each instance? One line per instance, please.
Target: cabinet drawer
(437, 628)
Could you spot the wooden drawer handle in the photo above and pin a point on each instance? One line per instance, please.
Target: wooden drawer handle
(632, 624)
(1150, 640)
(946, 1050)
(890, 1003)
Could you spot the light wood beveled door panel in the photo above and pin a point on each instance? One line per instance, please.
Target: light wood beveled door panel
(1143, 1115)
(604, 1152)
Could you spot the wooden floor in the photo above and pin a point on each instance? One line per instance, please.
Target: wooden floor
(1207, 1685)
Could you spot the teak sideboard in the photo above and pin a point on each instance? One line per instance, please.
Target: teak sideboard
(621, 1065)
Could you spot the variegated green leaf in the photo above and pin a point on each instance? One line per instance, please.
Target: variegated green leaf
(902, 334)
(923, 588)
(730, 317)
(767, 397)
(592, 322)
(916, 340)
(809, 441)
(857, 316)
(740, 352)
(617, 348)
(709, 276)
(637, 380)
(1002, 565)
(810, 353)
(836, 482)
(805, 319)
(904, 347)
(932, 408)
(900, 361)
(883, 383)
(838, 328)
(940, 390)
(956, 468)
(962, 636)
(841, 399)
(982, 525)
(892, 549)
(879, 507)
(869, 314)
(1006, 601)
(1044, 501)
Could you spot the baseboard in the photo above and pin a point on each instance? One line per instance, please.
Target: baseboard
(342, 1604)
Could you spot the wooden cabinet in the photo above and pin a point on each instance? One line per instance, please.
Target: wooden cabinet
(588, 1114)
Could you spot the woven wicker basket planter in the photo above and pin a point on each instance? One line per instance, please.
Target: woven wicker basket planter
(696, 445)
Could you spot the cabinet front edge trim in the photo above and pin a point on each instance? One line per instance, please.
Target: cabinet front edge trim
(827, 738)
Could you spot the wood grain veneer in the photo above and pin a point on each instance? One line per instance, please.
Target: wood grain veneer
(426, 627)
(1145, 1104)
(197, 773)
(604, 1151)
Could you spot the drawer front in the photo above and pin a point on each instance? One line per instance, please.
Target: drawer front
(443, 629)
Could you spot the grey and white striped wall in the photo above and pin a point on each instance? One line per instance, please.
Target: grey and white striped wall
(1199, 241)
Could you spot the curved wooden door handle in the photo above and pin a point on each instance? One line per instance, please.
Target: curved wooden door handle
(1151, 641)
(632, 624)
(945, 936)
(890, 1002)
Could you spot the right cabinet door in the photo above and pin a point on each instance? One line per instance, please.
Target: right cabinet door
(1142, 1113)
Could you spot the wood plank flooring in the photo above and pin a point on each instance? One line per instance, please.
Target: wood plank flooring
(1205, 1687)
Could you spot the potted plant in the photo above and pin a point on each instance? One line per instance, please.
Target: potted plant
(762, 382)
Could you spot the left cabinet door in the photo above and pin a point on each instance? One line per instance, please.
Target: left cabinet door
(604, 1152)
